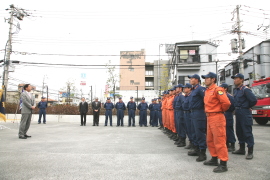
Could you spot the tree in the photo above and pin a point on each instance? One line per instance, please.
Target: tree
(113, 78)
(164, 79)
(70, 89)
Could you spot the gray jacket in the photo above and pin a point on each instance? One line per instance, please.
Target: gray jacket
(27, 102)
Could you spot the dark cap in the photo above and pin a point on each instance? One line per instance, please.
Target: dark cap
(238, 75)
(120, 98)
(210, 75)
(131, 97)
(188, 85)
(159, 97)
(108, 98)
(196, 76)
(154, 99)
(43, 97)
(179, 85)
(224, 85)
(143, 98)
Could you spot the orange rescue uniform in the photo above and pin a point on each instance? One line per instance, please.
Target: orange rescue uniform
(164, 111)
(216, 103)
(171, 113)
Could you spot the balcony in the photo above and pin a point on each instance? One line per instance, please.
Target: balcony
(188, 66)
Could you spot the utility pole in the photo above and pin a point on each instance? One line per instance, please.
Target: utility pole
(43, 85)
(19, 14)
(241, 70)
(91, 95)
(8, 52)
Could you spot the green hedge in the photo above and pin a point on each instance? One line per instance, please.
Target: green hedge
(58, 109)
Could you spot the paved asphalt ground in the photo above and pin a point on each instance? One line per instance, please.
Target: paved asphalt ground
(69, 151)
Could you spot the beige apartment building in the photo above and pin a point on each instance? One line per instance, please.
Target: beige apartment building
(132, 70)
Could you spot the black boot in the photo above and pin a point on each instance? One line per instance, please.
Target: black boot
(212, 162)
(188, 146)
(176, 138)
(177, 142)
(250, 153)
(222, 167)
(228, 145)
(194, 152)
(232, 147)
(241, 150)
(182, 142)
(202, 155)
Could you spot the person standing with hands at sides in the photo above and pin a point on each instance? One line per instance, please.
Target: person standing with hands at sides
(160, 113)
(198, 118)
(150, 107)
(216, 103)
(244, 101)
(96, 105)
(108, 114)
(186, 110)
(83, 108)
(229, 121)
(28, 104)
(121, 107)
(131, 106)
(143, 106)
(156, 108)
(42, 105)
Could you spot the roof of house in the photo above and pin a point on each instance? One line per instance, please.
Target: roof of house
(197, 42)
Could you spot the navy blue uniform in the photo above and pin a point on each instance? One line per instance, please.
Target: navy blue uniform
(143, 113)
(108, 114)
(198, 117)
(244, 99)
(160, 114)
(131, 106)
(156, 108)
(180, 115)
(229, 120)
(151, 113)
(42, 111)
(189, 127)
(120, 106)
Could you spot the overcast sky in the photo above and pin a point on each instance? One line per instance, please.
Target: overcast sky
(107, 27)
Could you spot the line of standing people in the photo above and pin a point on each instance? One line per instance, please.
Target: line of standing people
(205, 116)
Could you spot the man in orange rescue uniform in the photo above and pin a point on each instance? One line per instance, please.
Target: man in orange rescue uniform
(216, 103)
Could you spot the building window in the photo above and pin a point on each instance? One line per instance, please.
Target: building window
(210, 58)
(258, 59)
(149, 83)
(250, 75)
(181, 79)
(130, 68)
(228, 72)
(245, 63)
(131, 82)
(149, 73)
(235, 68)
(36, 96)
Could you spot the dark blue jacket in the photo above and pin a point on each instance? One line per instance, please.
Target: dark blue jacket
(150, 107)
(156, 107)
(185, 104)
(120, 105)
(142, 106)
(42, 105)
(196, 100)
(244, 98)
(179, 101)
(231, 109)
(108, 106)
(131, 105)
